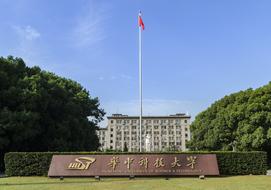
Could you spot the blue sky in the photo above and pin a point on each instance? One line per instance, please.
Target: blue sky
(194, 52)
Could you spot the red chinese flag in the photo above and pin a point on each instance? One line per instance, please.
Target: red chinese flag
(140, 22)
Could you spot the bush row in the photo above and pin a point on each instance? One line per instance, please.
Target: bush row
(2, 165)
(229, 163)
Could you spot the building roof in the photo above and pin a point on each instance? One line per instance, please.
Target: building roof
(121, 116)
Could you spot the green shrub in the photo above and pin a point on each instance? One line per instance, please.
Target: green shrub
(2, 165)
(229, 163)
(242, 163)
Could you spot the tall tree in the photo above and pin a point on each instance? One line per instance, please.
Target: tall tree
(40, 111)
(240, 121)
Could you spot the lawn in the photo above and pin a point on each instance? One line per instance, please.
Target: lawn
(221, 183)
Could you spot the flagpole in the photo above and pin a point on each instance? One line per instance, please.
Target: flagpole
(140, 87)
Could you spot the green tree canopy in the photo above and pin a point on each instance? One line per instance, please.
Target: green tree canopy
(241, 120)
(40, 111)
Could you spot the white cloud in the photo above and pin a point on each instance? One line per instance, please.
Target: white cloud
(28, 44)
(127, 77)
(101, 78)
(113, 77)
(27, 32)
(89, 26)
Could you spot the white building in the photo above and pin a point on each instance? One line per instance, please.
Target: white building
(163, 132)
(103, 138)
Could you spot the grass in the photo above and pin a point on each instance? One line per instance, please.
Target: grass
(217, 183)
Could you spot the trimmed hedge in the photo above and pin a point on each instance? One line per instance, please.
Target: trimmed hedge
(229, 163)
(2, 165)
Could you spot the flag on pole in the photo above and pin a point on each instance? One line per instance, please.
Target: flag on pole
(140, 28)
(140, 21)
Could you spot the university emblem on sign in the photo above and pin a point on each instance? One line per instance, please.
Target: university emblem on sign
(81, 163)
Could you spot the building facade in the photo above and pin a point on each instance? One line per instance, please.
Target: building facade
(159, 133)
(103, 138)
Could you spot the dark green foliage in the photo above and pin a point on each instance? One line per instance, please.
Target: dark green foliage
(230, 163)
(240, 121)
(242, 163)
(27, 164)
(40, 111)
(2, 165)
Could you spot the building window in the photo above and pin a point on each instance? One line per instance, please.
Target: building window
(111, 141)
(185, 121)
(111, 135)
(112, 121)
(186, 135)
(111, 129)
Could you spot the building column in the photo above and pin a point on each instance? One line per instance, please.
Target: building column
(152, 137)
(114, 133)
(167, 130)
(160, 138)
(130, 139)
(183, 138)
(138, 135)
(122, 138)
(175, 136)
(106, 139)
